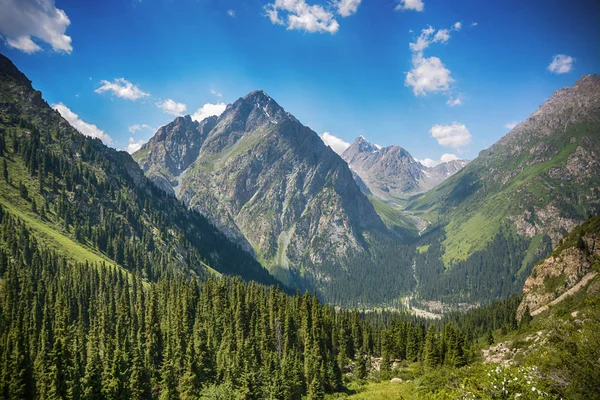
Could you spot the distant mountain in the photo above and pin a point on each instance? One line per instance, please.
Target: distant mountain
(391, 173)
(271, 185)
(504, 210)
(92, 204)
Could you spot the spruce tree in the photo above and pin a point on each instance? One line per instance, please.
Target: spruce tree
(431, 357)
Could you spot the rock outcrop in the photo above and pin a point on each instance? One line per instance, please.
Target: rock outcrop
(565, 272)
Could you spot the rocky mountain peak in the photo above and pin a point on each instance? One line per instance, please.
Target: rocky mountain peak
(269, 183)
(174, 146)
(399, 153)
(255, 111)
(364, 146)
(569, 105)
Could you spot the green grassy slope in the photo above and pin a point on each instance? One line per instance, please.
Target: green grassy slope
(473, 204)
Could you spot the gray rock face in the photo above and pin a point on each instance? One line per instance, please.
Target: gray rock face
(173, 149)
(268, 182)
(391, 173)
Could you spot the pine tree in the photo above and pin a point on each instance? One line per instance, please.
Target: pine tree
(431, 357)
(19, 373)
(412, 347)
(189, 383)
(5, 170)
(23, 191)
(490, 337)
(385, 366)
(57, 373)
(139, 385)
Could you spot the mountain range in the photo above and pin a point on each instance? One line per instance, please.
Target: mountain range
(254, 192)
(391, 173)
(271, 185)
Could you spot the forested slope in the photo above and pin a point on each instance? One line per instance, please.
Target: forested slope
(91, 203)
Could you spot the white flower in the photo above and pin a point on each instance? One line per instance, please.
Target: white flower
(533, 389)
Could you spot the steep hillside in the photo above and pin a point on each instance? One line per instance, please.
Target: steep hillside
(527, 190)
(559, 318)
(92, 203)
(570, 268)
(391, 173)
(271, 185)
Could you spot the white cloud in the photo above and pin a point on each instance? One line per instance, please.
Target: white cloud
(338, 145)
(208, 110)
(345, 8)
(428, 75)
(423, 40)
(474, 24)
(20, 20)
(24, 43)
(170, 106)
(90, 130)
(138, 127)
(457, 26)
(511, 125)
(454, 101)
(231, 13)
(134, 145)
(416, 5)
(441, 36)
(428, 162)
(561, 64)
(455, 135)
(449, 157)
(302, 16)
(121, 87)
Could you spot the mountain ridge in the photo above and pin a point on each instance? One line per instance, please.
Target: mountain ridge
(530, 188)
(391, 173)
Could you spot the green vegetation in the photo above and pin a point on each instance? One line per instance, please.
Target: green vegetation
(523, 177)
(423, 249)
(393, 216)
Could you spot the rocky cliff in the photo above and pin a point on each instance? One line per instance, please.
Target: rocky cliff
(574, 263)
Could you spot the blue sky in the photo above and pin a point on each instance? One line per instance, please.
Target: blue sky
(345, 67)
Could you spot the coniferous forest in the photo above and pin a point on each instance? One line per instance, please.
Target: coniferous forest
(90, 331)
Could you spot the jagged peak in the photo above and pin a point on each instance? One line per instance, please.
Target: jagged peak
(361, 144)
(260, 97)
